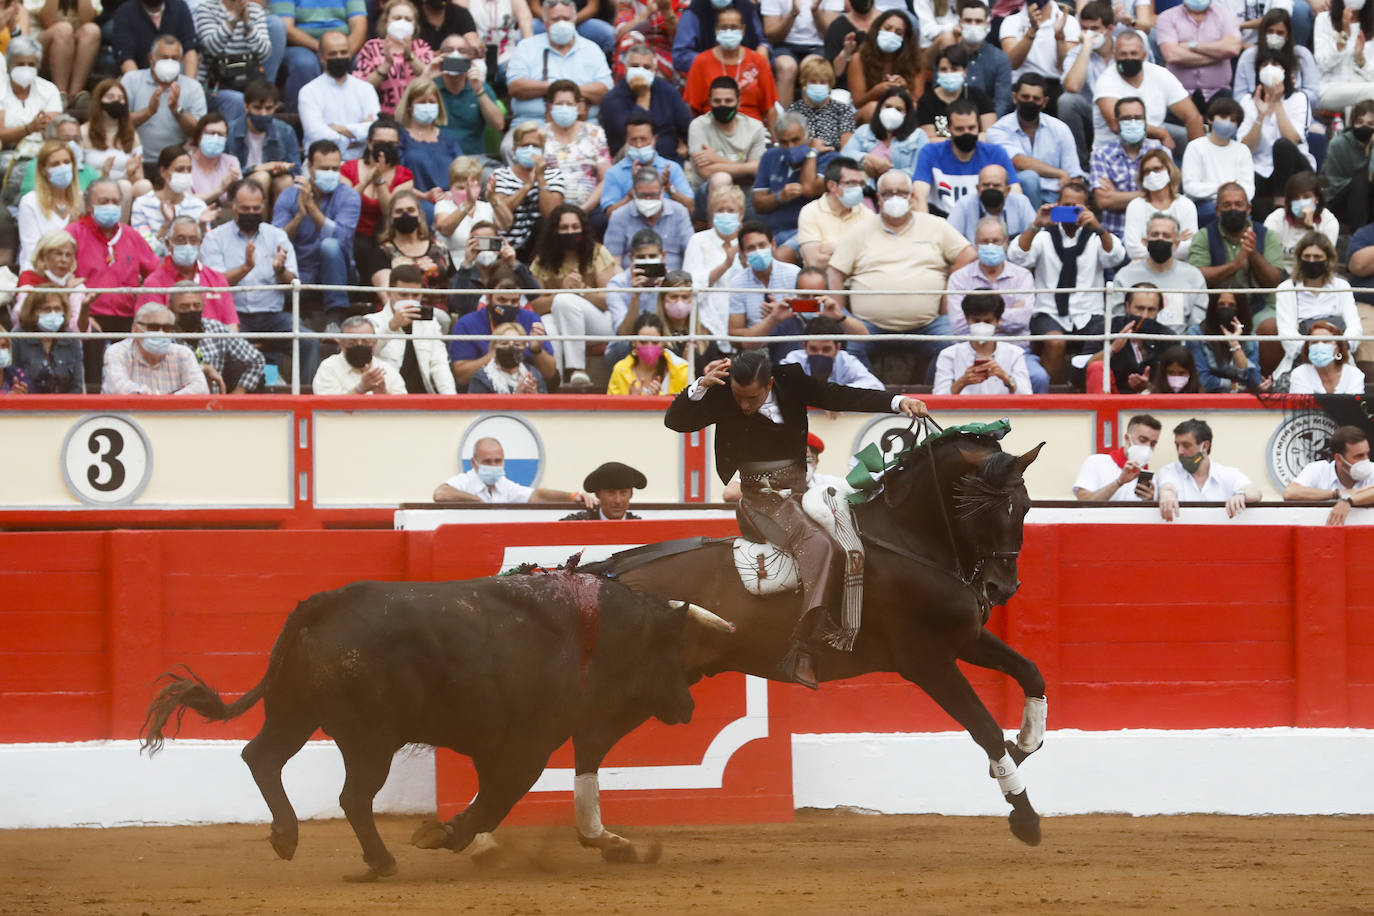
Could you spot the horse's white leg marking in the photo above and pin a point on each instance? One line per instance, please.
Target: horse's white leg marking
(1008, 778)
(1033, 716)
(587, 805)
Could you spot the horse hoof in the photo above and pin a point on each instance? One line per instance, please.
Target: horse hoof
(654, 854)
(283, 844)
(484, 851)
(1025, 824)
(1018, 756)
(432, 835)
(615, 849)
(372, 874)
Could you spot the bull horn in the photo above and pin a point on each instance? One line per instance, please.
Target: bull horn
(703, 616)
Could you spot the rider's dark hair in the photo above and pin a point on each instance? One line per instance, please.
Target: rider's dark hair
(1144, 419)
(1196, 428)
(752, 367)
(1343, 438)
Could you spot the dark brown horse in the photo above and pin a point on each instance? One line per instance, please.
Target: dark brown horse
(942, 538)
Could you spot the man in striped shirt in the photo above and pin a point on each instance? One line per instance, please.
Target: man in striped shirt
(151, 365)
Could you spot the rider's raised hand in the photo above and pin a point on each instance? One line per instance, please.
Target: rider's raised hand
(716, 373)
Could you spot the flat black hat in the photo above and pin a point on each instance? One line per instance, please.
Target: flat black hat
(614, 476)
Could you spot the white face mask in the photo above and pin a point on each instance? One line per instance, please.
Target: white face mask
(896, 207)
(1276, 42)
(648, 208)
(891, 118)
(982, 329)
(59, 279)
(1097, 39)
(487, 258)
(975, 34)
(1156, 181)
(23, 77)
(1360, 470)
(166, 70)
(1140, 454)
(1177, 382)
(400, 29)
(1271, 75)
(4, 357)
(180, 182)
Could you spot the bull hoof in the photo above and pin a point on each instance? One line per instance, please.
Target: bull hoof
(284, 844)
(372, 874)
(1024, 822)
(432, 835)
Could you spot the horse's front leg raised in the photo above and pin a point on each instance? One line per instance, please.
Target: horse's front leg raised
(987, 651)
(947, 686)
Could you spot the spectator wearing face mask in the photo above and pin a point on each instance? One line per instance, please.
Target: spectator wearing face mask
(487, 482)
(319, 215)
(483, 262)
(265, 145)
(51, 364)
(699, 27)
(558, 53)
(462, 207)
(633, 291)
(823, 222)
(1199, 39)
(1305, 212)
(646, 91)
(151, 213)
(501, 306)
(1276, 34)
(1314, 292)
(650, 369)
(947, 172)
(65, 129)
(654, 210)
(641, 151)
(569, 258)
(989, 68)
(675, 313)
(212, 169)
(182, 265)
(1110, 475)
(1116, 165)
(1277, 118)
(1325, 365)
(789, 177)
(377, 176)
(425, 149)
(354, 369)
(888, 57)
(1042, 148)
(1195, 477)
(529, 188)
(951, 86)
(992, 199)
(1228, 365)
(758, 311)
(891, 140)
(336, 105)
(1162, 192)
(53, 203)
(983, 365)
(470, 104)
(1213, 160)
(231, 365)
(992, 272)
(164, 103)
(421, 359)
(1347, 477)
(151, 365)
(1234, 251)
(508, 371)
(749, 68)
(1175, 372)
(1158, 265)
(395, 57)
(826, 359)
(830, 121)
(1160, 92)
(1132, 360)
(577, 147)
(1349, 170)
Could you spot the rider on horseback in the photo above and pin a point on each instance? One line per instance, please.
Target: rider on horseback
(761, 430)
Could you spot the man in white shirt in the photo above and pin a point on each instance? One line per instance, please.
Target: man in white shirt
(1070, 255)
(1211, 161)
(1033, 38)
(824, 358)
(1083, 64)
(1195, 477)
(487, 482)
(1160, 90)
(353, 370)
(983, 365)
(338, 107)
(1348, 477)
(1104, 476)
(428, 371)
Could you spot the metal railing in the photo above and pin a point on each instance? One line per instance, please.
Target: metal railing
(693, 336)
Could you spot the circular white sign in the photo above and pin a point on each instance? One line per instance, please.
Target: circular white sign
(520, 442)
(106, 460)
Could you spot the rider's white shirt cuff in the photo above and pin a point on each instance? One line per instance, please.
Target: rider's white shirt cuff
(897, 403)
(696, 391)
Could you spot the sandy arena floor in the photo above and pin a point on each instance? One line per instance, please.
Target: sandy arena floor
(826, 862)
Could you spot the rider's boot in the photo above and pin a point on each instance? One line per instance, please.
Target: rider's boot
(798, 666)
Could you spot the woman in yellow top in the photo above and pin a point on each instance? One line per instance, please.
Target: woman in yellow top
(650, 369)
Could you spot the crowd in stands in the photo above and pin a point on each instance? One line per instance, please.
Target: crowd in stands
(654, 169)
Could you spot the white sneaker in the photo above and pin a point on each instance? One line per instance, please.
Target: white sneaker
(579, 378)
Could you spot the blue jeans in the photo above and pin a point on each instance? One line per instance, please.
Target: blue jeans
(278, 352)
(1303, 18)
(228, 102)
(329, 268)
(1040, 379)
(276, 33)
(863, 350)
(1030, 186)
(302, 66)
(597, 30)
(1206, 212)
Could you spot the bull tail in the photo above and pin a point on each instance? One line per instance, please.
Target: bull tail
(182, 693)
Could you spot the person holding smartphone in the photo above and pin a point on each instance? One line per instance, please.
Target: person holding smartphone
(982, 365)
(1122, 474)
(422, 360)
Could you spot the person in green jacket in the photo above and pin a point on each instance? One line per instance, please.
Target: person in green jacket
(1349, 169)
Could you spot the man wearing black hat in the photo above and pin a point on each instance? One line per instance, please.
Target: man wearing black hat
(613, 483)
(761, 431)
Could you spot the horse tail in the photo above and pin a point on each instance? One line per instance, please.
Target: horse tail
(182, 693)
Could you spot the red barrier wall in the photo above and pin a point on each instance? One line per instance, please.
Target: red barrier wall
(1133, 627)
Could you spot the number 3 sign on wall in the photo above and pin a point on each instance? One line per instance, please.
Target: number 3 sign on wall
(106, 460)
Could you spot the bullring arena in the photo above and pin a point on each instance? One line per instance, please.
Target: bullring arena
(1209, 682)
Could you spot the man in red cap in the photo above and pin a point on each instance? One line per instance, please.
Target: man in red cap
(814, 446)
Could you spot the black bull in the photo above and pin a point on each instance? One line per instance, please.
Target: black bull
(503, 670)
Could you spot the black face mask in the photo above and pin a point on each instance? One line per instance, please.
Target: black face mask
(406, 223)
(502, 314)
(1160, 250)
(1362, 133)
(820, 366)
(992, 199)
(338, 67)
(387, 152)
(1225, 315)
(248, 222)
(116, 110)
(1233, 221)
(570, 240)
(723, 114)
(507, 357)
(436, 4)
(965, 143)
(1312, 269)
(190, 322)
(861, 6)
(1028, 111)
(358, 355)
(1130, 68)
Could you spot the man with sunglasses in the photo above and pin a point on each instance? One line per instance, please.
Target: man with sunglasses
(151, 365)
